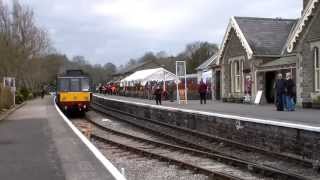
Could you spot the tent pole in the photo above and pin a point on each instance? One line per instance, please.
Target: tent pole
(185, 83)
(164, 81)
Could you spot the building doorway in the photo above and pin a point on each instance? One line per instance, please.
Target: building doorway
(217, 85)
(270, 78)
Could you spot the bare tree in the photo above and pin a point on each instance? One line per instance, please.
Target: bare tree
(21, 43)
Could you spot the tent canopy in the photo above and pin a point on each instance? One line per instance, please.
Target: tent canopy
(143, 76)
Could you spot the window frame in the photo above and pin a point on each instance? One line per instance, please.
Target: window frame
(237, 76)
(316, 69)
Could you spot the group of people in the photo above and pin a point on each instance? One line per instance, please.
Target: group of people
(110, 89)
(285, 93)
(284, 88)
(159, 92)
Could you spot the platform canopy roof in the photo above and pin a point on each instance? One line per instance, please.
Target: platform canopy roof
(144, 76)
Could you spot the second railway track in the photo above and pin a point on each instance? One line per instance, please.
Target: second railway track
(194, 160)
(212, 165)
(276, 173)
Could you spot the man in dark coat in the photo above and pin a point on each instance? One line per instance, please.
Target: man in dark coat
(280, 92)
(203, 92)
(157, 94)
(290, 92)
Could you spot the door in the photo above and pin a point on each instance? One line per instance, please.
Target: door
(270, 78)
(218, 85)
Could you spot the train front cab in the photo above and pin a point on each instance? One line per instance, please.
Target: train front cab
(74, 101)
(73, 94)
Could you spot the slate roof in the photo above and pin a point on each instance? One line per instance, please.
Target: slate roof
(266, 36)
(207, 63)
(284, 61)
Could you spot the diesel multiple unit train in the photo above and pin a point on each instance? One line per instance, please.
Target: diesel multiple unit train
(73, 91)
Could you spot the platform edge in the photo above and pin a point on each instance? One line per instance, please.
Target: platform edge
(104, 161)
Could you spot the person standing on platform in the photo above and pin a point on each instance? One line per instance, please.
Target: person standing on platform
(203, 92)
(157, 94)
(290, 92)
(280, 92)
(43, 92)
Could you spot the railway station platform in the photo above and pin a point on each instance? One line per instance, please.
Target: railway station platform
(37, 144)
(309, 117)
(294, 133)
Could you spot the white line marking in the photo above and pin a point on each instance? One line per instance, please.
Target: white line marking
(240, 118)
(105, 162)
(106, 120)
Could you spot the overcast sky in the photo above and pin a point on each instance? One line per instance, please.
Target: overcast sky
(117, 30)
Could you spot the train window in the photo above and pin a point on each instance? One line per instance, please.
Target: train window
(75, 84)
(63, 84)
(85, 84)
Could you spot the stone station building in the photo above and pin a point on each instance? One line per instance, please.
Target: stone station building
(254, 50)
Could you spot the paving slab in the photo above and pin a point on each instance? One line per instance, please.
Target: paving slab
(36, 144)
(310, 117)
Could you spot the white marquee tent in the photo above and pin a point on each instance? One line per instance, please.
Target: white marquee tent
(144, 76)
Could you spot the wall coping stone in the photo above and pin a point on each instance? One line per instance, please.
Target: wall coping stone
(234, 117)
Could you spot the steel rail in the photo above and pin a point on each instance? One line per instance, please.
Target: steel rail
(218, 156)
(212, 174)
(305, 162)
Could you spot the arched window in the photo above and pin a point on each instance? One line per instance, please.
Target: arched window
(316, 68)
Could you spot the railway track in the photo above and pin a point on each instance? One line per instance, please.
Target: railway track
(267, 170)
(137, 166)
(119, 150)
(194, 160)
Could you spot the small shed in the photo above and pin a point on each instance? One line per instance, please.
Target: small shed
(204, 71)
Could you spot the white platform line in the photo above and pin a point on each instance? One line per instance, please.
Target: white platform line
(105, 162)
(240, 118)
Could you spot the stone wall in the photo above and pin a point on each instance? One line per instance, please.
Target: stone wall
(309, 38)
(233, 49)
(270, 137)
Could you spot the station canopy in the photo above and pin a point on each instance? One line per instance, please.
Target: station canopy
(144, 76)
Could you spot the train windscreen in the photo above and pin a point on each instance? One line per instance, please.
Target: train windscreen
(75, 85)
(85, 84)
(63, 84)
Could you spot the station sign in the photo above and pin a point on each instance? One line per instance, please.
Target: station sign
(10, 82)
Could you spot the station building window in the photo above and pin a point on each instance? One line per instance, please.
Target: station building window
(316, 68)
(236, 76)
